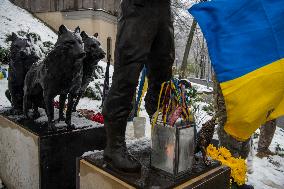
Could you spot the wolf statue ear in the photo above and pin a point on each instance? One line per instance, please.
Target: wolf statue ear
(13, 36)
(84, 35)
(62, 29)
(77, 30)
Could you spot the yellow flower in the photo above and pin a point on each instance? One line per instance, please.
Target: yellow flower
(211, 148)
(225, 152)
(212, 151)
(233, 160)
(238, 165)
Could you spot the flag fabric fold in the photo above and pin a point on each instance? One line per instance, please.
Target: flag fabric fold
(246, 46)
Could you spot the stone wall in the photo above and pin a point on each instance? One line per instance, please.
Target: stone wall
(91, 21)
(36, 6)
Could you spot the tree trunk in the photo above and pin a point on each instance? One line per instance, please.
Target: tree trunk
(202, 60)
(187, 48)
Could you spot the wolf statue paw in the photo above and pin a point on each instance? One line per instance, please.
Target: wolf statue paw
(51, 126)
(70, 126)
(36, 115)
(33, 115)
(16, 111)
(61, 118)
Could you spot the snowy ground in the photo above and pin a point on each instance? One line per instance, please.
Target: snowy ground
(202, 88)
(14, 19)
(268, 173)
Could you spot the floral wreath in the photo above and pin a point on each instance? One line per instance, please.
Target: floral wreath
(238, 165)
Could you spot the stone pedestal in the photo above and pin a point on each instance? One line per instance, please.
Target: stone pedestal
(94, 174)
(32, 158)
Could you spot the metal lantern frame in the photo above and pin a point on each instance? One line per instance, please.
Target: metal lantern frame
(172, 149)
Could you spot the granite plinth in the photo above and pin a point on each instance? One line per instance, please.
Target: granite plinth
(32, 157)
(94, 173)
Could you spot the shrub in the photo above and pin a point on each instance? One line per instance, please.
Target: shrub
(34, 36)
(4, 55)
(22, 33)
(48, 46)
(92, 94)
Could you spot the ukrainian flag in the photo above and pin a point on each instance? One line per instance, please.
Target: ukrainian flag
(246, 44)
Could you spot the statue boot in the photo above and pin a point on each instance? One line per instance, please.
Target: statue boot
(115, 153)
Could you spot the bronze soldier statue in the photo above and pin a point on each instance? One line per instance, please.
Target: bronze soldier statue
(145, 37)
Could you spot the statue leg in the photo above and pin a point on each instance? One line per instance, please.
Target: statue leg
(17, 94)
(136, 32)
(8, 95)
(25, 105)
(161, 59)
(48, 99)
(69, 110)
(36, 113)
(78, 97)
(62, 99)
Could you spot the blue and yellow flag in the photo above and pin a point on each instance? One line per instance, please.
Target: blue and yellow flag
(246, 45)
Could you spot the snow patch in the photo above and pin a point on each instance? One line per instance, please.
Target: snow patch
(91, 152)
(268, 173)
(77, 120)
(202, 88)
(1, 184)
(14, 19)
